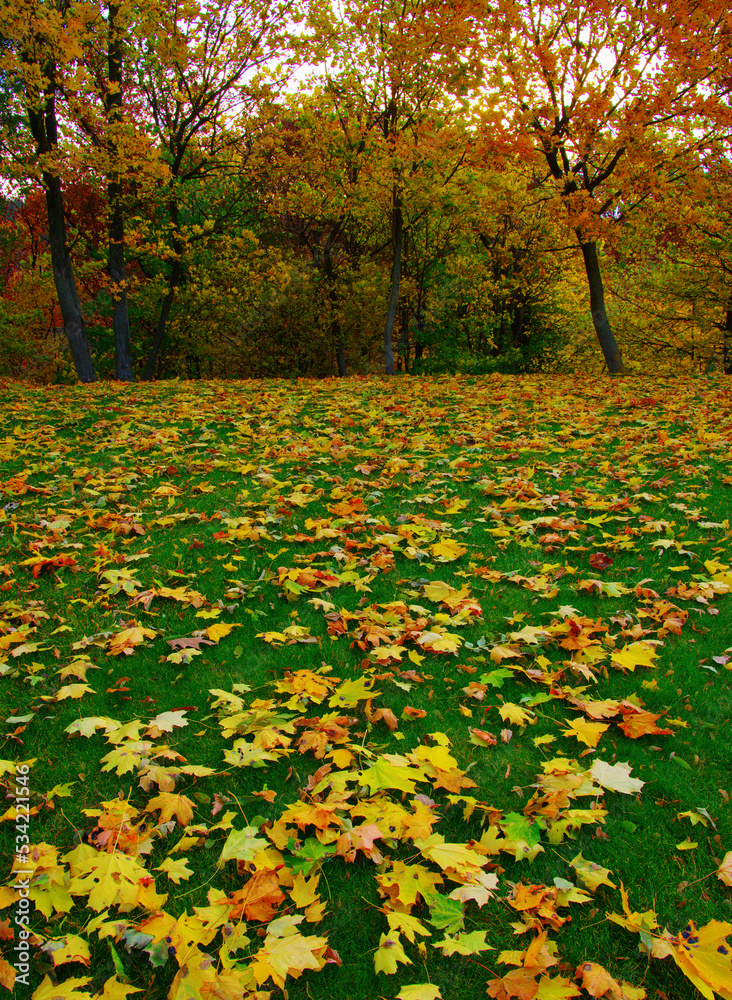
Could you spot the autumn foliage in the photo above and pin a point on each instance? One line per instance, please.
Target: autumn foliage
(289, 189)
(362, 687)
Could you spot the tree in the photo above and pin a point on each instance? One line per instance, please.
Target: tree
(43, 44)
(202, 71)
(391, 69)
(589, 85)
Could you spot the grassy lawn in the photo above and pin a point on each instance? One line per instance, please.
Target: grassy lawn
(367, 688)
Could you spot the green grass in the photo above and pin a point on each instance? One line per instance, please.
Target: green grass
(629, 462)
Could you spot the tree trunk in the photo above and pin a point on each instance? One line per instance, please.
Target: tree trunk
(44, 129)
(394, 296)
(118, 288)
(340, 349)
(173, 281)
(116, 235)
(157, 343)
(419, 336)
(727, 356)
(335, 327)
(610, 349)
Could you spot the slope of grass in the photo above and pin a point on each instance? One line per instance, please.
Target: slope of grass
(475, 566)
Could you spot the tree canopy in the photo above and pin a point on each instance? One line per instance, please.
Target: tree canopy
(303, 188)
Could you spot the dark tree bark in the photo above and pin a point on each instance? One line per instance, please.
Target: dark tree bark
(174, 278)
(116, 252)
(154, 353)
(727, 349)
(608, 344)
(397, 230)
(44, 129)
(335, 327)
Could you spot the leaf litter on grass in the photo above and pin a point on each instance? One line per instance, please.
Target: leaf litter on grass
(411, 588)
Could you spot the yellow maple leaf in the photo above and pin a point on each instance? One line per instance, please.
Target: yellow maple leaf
(124, 758)
(71, 948)
(288, 955)
(451, 857)
(406, 924)
(635, 654)
(113, 989)
(73, 691)
(447, 550)
(107, 879)
(389, 953)
(175, 870)
(591, 874)
(217, 631)
(304, 890)
(88, 727)
(126, 640)
(586, 732)
(48, 990)
(515, 714)
(556, 988)
(170, 805)
(703, 955)
(419, 991)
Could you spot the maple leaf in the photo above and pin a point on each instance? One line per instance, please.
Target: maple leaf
(705, 957)
(383, 774)
(68, 990)
(113, 989)
(218, 630)
(591, 874)
(557, 988)
(615, 777)
(634, 655)
(241, 845)
(170, 805)
(304, 890)
(350, 693)
(166, 722)
(724, 871)
(419, 991)
(286, 952)
(406, 924)
(405, 883)
(586, 732)
(515, 714)
(597, 980)
(7, 974)
(447, 550)
(73, 691)
(175, 870)
(71, 948)
(463, 944)
(126, 640)
(518, 984)
(388, 954)
(451, 857)
(108, 879)
(259, 898)
(637, 724)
